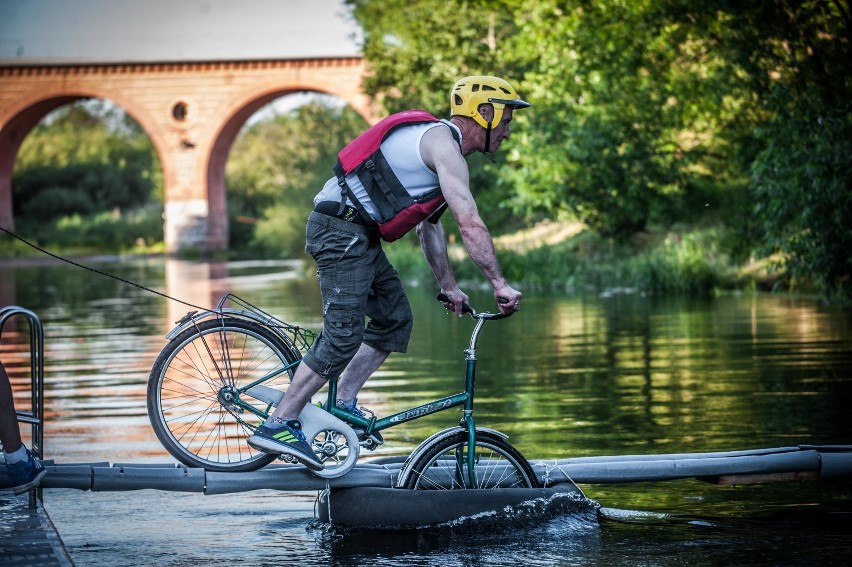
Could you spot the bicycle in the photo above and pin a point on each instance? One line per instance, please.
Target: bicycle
(224, 370)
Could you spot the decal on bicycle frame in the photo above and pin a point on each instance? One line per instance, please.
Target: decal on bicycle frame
(420, 411)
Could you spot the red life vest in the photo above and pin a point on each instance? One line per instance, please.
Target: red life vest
(398, 211)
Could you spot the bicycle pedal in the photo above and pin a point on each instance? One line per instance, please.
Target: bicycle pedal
(370, 443)
(289, 459)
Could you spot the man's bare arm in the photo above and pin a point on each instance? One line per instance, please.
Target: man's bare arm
(434, 244)
(442, 154)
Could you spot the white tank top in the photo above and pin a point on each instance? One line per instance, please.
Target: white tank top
(402, 150)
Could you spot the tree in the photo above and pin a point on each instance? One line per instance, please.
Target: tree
(651, 111)
(802, 177)
(84, 158)
(625, 120)
(277, 166)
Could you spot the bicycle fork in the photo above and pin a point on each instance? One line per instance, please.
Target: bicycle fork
(467, 414)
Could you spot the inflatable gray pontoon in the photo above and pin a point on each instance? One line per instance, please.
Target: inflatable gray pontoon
(375, 481)
(371, 507)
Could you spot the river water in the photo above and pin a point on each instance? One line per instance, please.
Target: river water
(570, 375)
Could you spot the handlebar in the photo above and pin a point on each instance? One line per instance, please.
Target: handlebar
(466, 308)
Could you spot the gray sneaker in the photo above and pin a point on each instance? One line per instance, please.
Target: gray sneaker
(285, 437)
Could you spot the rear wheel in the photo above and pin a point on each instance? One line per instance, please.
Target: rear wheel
(443, 466)
(194, 383)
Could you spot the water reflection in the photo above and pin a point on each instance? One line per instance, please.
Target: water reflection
(197, 283)
(568, 376)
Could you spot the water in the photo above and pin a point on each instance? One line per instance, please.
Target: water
(569, 376)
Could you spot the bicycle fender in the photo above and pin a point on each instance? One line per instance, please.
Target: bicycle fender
(314, 419)
(193, 317)
(415, 454)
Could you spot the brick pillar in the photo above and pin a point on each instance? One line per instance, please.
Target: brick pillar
(7, 162)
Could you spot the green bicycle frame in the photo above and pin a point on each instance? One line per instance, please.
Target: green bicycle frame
(369, 425)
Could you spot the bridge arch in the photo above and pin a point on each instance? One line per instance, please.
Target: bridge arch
(192, 113)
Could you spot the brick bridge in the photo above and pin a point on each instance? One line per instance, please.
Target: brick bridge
(192, 113)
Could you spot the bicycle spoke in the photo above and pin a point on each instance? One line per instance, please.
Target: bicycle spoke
(444, 465)
(197, 385)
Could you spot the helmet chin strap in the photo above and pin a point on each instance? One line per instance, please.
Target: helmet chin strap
(487, 144)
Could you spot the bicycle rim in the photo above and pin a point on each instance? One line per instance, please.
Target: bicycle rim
(191, 388)
(443, 466)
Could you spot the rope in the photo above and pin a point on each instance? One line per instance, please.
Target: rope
(122, 280)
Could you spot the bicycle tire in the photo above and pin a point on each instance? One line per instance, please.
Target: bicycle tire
(498, 465)
(187, 392)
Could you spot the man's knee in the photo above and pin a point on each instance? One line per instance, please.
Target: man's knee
(341, 337)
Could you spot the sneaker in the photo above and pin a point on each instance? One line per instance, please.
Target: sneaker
(286, 437)
(375, 438)
(25, 475)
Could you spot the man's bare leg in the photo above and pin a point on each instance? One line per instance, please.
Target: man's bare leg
(365, 362)
(303, 386)
(306, 383)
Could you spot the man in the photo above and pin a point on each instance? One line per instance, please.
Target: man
(356, 279)
(25, 473)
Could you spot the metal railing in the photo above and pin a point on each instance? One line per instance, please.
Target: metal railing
(35, 416)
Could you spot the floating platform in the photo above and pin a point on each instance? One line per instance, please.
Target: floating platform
(375, 480)
(825, 463)
(369, 507)
(28, 538)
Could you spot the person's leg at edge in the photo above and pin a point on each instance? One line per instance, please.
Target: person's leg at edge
(23, 470)
(10, 435)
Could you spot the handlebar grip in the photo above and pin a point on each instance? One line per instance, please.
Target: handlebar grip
(465, 307)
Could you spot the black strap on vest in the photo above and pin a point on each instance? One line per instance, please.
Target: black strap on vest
(346, 192)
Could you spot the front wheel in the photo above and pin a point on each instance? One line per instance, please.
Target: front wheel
(444, 465)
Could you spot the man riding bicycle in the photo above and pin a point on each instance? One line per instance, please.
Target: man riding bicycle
(400, 174)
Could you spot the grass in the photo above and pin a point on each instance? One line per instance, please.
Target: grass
(552, 256)
(567, 257)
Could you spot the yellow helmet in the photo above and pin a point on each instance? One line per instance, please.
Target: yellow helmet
(470, 92)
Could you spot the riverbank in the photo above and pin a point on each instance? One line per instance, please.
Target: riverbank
(550, 256)
(567, 257)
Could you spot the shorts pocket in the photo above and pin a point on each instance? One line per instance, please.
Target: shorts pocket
(340, 321)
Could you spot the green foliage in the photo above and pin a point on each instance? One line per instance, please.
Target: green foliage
(112, 231)
(649, 112)
(87, 177)
(628, 100)
(802, 177)
(277, 167)
(84, 158)
(803, 191)
(638, 101)
(688, 263)
(48, 192)
(417, 50)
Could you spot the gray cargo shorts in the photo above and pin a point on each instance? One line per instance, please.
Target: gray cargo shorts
(356, 281)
